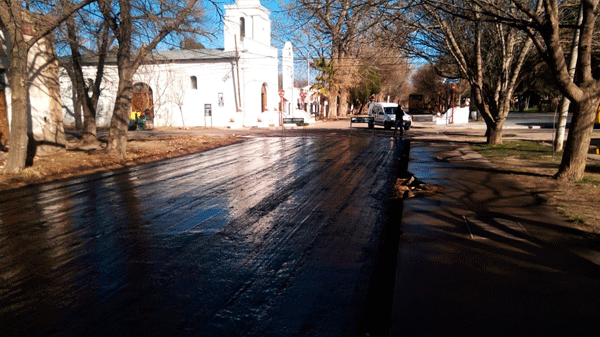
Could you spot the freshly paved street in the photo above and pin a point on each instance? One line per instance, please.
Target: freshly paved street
(269, 237)
(295, 236)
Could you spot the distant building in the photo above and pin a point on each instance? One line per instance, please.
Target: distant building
(235, 86)
(287, 77)
(308, 100)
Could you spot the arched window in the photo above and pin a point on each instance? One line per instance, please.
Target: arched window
(194, 82)
(263, 97)
(242, 28)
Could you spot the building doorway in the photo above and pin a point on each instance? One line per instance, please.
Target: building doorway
(143, 102)
(263, 98)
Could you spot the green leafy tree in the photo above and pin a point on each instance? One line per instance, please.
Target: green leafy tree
(370, 84)
(339, 27)
(325, 84)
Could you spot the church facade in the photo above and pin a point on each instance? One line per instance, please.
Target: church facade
(231, 87)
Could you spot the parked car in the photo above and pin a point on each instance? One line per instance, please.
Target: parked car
(384, 114)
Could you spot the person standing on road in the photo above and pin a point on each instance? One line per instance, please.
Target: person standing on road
(399, 120)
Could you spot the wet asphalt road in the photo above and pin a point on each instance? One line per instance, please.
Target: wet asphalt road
(273, 236)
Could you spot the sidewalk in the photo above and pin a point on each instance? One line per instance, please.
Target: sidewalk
(485, 257)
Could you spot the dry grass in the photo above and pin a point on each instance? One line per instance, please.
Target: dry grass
(577, 201)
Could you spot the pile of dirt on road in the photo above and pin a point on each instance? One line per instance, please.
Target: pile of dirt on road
(79, 160)
(411, 187)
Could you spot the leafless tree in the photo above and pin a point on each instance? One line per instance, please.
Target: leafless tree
(572, 13)
(339, 30)
(489, 55)
(139, 27)
(24, 28)
(88, 38)
(428, 82)
(543, 22)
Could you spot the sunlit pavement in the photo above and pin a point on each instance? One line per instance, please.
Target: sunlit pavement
(485, 257)
(280, 236)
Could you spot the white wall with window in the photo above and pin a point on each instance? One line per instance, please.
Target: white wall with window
(239, 82)
(180, 90)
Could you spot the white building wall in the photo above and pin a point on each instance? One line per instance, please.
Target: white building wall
(176, 103)
(44, 118)
(106, 103)
(258, 68)
(258, 64)
(39, 95)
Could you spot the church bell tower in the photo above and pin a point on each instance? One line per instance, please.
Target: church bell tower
(247, 23)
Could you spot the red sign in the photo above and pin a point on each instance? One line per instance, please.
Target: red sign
(281, 93)
(303, 94)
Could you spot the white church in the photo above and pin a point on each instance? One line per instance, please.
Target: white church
(236, 86)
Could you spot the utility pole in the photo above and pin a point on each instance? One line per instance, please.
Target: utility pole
(237, 65)
(308, 70)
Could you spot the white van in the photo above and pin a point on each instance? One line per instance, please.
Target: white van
(384, 114)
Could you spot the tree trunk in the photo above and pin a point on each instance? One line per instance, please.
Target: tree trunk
(343, 103)
(90, 135)
(18, 141)
(84, 102)
(333, 106)
(494, 133)
(559, 139)
(117, 143)
(183, 119)
(3, 120)
(76, 106)
(574, 160)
